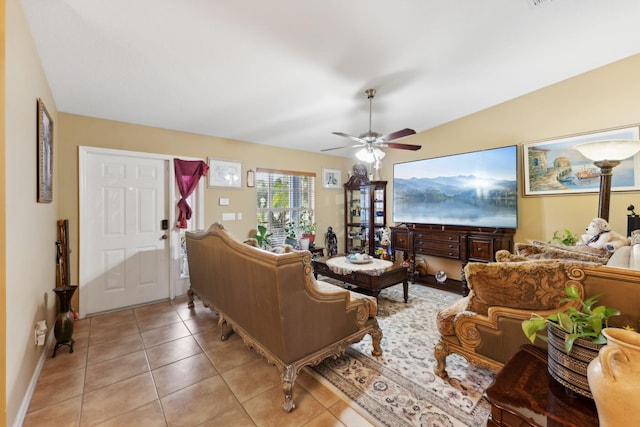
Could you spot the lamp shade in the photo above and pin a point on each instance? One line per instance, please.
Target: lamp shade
(365, 155)
(370, 155)
(612, 150)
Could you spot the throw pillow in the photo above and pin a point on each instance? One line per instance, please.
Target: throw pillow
(548, 251)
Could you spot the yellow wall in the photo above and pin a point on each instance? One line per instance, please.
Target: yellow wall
(3, 209)
(30, 226)
(86, 131)
(601, 99)
(605, 98)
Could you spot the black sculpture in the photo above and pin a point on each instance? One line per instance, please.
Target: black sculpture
(331, 241)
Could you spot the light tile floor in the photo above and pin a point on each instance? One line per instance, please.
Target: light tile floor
(164, 365)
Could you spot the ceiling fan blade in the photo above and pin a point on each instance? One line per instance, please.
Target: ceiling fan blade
(403, 146)
(355, 138)
(397, 135)
(336, 148)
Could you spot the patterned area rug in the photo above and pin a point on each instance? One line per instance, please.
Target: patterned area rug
(399, 388)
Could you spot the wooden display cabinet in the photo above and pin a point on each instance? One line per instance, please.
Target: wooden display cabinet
(365, 205)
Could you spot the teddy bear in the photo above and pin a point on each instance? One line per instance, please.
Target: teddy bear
(600, 236)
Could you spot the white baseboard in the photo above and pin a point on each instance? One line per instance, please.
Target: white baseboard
(26, 400)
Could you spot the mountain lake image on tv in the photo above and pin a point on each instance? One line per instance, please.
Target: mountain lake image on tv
(479, 188)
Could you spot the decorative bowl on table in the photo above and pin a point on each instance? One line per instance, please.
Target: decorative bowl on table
(359, 258)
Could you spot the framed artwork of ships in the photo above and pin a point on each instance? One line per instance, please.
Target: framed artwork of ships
(555, 167)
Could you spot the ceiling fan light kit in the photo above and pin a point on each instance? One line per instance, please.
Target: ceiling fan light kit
(370, 143)
(370, 155)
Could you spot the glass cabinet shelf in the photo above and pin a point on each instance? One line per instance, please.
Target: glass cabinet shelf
(365, 214)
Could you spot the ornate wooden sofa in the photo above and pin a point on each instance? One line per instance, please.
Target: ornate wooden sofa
(485, 327)
(275, 304)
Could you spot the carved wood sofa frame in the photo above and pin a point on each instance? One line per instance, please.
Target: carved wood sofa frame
(274, 303)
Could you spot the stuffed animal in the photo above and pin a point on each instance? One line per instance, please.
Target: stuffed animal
(600, 236)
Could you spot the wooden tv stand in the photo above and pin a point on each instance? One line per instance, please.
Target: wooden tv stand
(464, 243)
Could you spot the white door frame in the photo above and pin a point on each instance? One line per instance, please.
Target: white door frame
(172, 199)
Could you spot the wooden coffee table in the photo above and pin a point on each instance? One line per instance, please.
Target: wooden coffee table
(389, 277)
(524, 394)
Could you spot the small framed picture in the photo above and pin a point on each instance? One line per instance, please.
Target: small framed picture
(45, 154)
(331, 178)
(224, 173)
(251, 178)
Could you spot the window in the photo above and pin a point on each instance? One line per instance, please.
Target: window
(194, 200)
(282, 196)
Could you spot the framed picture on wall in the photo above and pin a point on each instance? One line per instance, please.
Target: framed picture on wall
(331, 178)
(224, 173)
(45, 154)
(554, 167)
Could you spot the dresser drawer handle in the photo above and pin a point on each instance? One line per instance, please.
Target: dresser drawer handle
(479, 249)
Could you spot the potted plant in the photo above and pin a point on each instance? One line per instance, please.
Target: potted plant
(587, 323)
(567, 239)
(307, 225)
(290, 232)
(262, 237)
(574, 337)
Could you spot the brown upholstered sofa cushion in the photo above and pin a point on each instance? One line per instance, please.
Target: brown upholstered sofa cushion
(539, 250)
(328, 288)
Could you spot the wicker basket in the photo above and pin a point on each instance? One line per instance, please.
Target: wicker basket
(570, 370)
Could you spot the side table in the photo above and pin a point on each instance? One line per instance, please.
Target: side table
(524, 394)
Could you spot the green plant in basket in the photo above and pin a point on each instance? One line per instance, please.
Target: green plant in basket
(586, 323)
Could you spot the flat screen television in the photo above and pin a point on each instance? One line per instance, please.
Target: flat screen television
(479, 188)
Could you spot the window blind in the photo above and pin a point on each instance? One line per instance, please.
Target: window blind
(281, 197)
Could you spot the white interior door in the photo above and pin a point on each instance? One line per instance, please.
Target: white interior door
(126, 249)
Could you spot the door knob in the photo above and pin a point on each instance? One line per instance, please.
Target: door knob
(164, 237)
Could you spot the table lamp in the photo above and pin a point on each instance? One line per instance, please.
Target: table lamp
(606, 155)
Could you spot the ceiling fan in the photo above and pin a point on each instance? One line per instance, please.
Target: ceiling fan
(371, 142)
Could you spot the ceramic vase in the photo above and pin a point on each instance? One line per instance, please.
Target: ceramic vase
(63, 329)
(304, 244)
(614, 377)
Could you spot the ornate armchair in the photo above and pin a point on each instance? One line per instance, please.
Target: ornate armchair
(485, 327)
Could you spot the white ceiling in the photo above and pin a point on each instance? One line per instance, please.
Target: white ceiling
(289, 72)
